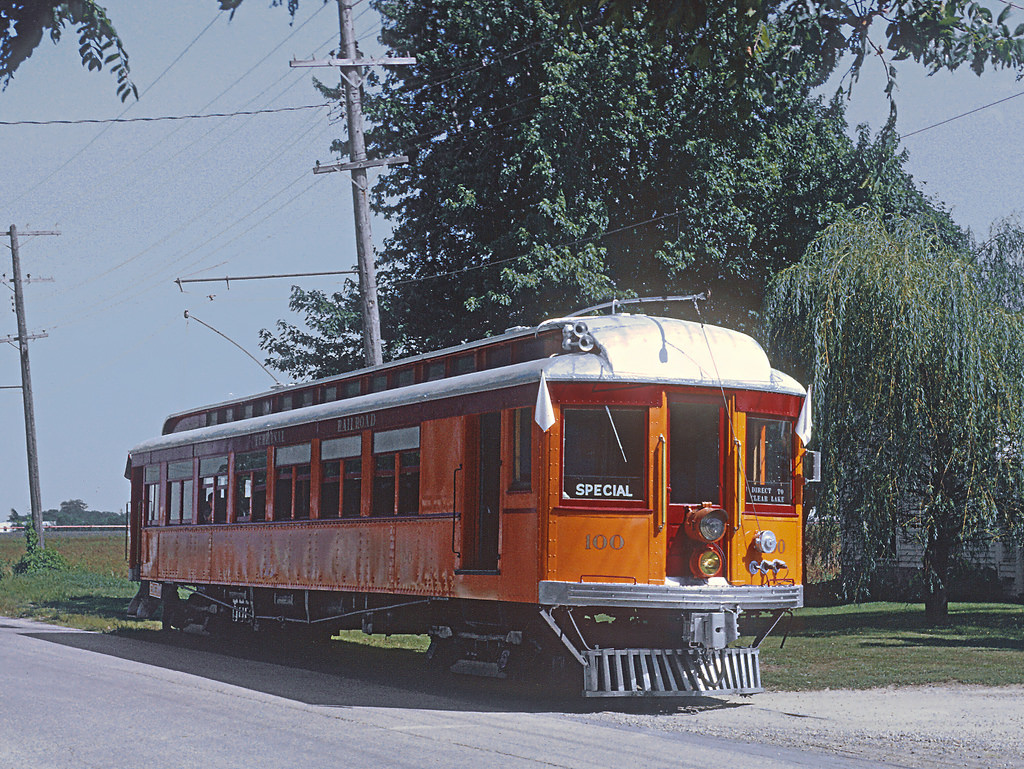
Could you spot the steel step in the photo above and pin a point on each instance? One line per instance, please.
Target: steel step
(671, 672)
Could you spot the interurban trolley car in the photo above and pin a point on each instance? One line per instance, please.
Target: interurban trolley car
(612, 491)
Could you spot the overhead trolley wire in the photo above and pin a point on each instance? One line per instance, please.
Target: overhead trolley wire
(100, 133)
(159, 118)
(962, 115)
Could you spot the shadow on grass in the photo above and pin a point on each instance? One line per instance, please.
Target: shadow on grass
(99, 606)
(932, 641)
(970, 623)
(345, 674)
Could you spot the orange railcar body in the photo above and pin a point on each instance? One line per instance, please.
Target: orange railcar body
(490, 475)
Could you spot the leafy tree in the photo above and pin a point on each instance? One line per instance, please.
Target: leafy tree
(939, 34)
(1001, 259)
(935, 33)
(919, 393)
(19, 520)
(24, 22)
(75, 512)
(578, 164)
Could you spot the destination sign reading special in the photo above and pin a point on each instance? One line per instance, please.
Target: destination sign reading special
(577, 487)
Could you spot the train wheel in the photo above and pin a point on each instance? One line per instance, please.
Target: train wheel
(443, 652)
(172, 616)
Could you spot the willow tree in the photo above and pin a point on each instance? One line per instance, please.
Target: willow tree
(919, 393)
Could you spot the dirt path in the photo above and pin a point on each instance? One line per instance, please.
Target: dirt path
(926, 726)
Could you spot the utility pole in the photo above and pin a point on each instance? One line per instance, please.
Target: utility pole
(352, 73)
(26, 386)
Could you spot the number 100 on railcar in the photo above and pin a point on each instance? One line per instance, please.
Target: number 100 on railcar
(616, 494)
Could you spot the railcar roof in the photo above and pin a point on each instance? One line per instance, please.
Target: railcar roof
(629, 348)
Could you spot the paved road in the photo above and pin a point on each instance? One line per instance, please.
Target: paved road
(75, 699)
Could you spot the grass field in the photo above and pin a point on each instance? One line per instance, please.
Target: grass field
(857, 646)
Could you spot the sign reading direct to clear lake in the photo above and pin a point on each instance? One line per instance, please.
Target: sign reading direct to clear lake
(773, 494)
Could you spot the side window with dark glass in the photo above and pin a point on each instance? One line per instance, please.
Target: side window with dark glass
(179, 491)
(604, 451)
(396, 472)
(337, 456)
(151, 479)
(291, 482)
(769, 461)
(213, 490)
(522, 449)
(250, 486)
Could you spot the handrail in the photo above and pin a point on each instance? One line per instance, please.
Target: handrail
(661, 490)
(455, 514)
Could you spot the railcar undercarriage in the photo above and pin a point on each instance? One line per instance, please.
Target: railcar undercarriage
(658, 650)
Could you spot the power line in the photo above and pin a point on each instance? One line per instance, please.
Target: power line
(964, 114)
(204, 210)
(167, 136)
(123, 112)
(566, 244)
(164, 117)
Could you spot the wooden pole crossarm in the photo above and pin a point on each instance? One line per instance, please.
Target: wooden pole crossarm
(394, 160)
(386, 61)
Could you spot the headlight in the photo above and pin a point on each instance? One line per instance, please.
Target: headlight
(707, 524)
(766, 542)
(712, 526)
(706, 563)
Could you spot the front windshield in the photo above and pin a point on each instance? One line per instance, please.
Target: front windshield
(604, 453)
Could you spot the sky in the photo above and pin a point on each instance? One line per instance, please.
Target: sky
(141, 204)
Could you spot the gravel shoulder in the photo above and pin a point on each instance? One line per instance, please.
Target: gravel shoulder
(922, 726)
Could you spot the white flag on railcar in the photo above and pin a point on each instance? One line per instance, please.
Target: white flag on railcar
(804, 427)
(543, 412)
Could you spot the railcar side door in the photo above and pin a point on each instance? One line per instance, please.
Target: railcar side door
(482, 518)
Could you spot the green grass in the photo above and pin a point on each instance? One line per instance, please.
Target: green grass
(92, 595)
(882, 644)
(857, 646)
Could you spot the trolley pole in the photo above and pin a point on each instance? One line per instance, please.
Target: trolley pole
(26, 387)
(352, 73)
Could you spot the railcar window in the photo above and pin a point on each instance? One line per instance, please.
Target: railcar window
(494, 357)
(434, 371)
(179, 492)
(213, 490)
(330, 394)
(769, 461)
(694, 453)
(396, 472)
(405, 377)
(522, 450)
(285, 402)
(335, 454)
(151, 478)
(251, 486)
(604, 454)
(292, 482)
(463, 364)
(351, 388)
(384, 484)
(408, 483)
(304, 398)
(352, 488)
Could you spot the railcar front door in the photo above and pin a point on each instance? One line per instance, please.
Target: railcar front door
(696, 481)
